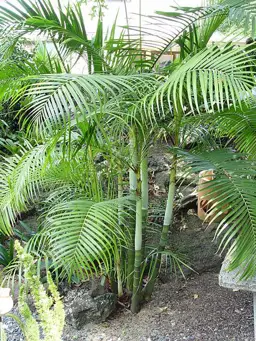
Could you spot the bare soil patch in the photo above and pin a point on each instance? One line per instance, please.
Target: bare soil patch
(193, 310)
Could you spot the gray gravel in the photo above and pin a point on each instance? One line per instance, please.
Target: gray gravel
(12, 329)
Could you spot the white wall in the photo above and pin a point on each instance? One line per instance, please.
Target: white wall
(149, 7)
(115, 6)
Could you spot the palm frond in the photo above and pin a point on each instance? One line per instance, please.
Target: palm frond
(237, 125)
(232, 197)
(162, 31)
(81, 235)
(240, 126)
(213, 79)
(20, 180)
(57, 98)
(242, 13)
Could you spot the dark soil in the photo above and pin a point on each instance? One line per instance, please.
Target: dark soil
(195, 310)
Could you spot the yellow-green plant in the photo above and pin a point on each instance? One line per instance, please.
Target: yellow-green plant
(50, 308)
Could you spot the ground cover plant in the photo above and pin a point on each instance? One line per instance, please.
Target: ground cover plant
(88, 136)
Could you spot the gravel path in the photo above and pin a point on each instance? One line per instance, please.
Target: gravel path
(196, 310)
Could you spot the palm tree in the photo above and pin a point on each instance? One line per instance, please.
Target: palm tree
(73, 118)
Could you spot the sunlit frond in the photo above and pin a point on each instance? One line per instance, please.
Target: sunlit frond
(211, 80)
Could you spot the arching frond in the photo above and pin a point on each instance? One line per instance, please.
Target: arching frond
(242, 13)
(211, 80)
(237, 125)
(81, 236)
(55, 98)
(162, 31)
(232, 198)
(20, 180)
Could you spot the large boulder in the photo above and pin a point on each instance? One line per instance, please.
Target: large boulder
(82, 306)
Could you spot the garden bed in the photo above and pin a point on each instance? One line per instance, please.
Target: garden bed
(195, 310)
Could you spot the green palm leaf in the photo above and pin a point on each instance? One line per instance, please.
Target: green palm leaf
(82, 234)
(20, 181)
(233, 199)
(211, 80)
(56, 97)
(242, 13)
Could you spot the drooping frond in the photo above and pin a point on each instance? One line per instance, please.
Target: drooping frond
(20, 180)
(81, 236)
(241, 127)
(237, 125)
(242, 13)
(213, 79)
(232, 198)
(57, 98)
(161, 31)
(198, 34)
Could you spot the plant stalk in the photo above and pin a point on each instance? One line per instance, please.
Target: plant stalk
(133, 188)
(136, 297)
(119, 248)
(166, 226)
(144, 197)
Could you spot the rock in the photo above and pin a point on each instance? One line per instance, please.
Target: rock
(81, 308)
(162, 180)
(97, 287)
(231, 279)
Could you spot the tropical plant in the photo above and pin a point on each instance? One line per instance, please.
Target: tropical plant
(90, 130)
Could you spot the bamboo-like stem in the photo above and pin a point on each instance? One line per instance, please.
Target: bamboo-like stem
(118, 273)
(120, 195)
(166, 226)
(133, 188)
(119, 250)
(144, 197)
(136, 297)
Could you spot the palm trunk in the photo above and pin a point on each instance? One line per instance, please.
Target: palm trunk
(166, 226)
(119, 248)
(136, 297)
(144, 197)
(133, 188)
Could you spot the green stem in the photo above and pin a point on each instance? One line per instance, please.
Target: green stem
(133, 188)
(166, 226)
(144, 197)
(136, 297)
(119, 248)
(120, 195)
(118, 273)
(2, 332)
